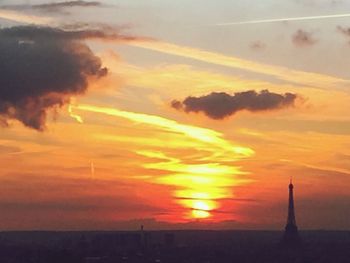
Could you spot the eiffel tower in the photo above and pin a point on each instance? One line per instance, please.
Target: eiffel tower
(291, 236)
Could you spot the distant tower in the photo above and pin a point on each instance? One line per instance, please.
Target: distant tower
(143, 238)
(291, 236)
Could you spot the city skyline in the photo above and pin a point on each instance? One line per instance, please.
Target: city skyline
(186, 115)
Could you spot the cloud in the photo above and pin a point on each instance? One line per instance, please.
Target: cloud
(278, 72)
(344, 30)
(315, 3)
(41, 68)
(67, 33)
(219, 105)
(257, 45)
(302, 38)
(19, 17)
(55, 6)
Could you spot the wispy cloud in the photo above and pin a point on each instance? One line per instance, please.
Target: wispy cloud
(200, 134)
(302, 38)
(55, 6)
(25, 18)
(179, 77)
(279, 72)
(257, 45)
(344, 30)
(201, 180)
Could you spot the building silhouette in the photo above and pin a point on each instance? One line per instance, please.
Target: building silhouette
(291, 236)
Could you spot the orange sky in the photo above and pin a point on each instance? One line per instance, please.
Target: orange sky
(120, 156)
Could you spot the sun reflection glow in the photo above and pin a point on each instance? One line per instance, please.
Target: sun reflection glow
(200, 214)
(199, 182)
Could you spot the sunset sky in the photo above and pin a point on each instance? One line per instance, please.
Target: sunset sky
(174, 114)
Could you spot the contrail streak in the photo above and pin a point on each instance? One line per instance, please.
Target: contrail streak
(303, 18)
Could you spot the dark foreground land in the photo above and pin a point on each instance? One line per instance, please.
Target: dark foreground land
(171, 246)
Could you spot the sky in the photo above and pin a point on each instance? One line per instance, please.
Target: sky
(174, 114)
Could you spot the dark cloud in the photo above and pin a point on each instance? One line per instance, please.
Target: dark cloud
(41, 68)
(55, 6)
(219, 105)
(302, 38)
(66, 33)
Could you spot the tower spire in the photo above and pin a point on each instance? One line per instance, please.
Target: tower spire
(291, 235)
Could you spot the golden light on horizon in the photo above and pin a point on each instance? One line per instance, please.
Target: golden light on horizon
(199, 183)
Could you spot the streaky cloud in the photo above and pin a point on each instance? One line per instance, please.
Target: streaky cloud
(310, 79)
(25, 18)
(203, 181)
(306, 78)
(200, 134)
(55, 6)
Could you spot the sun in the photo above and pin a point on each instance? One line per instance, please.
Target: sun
(201, 209)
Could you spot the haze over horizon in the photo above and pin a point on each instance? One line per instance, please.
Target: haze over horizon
(174, 115)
